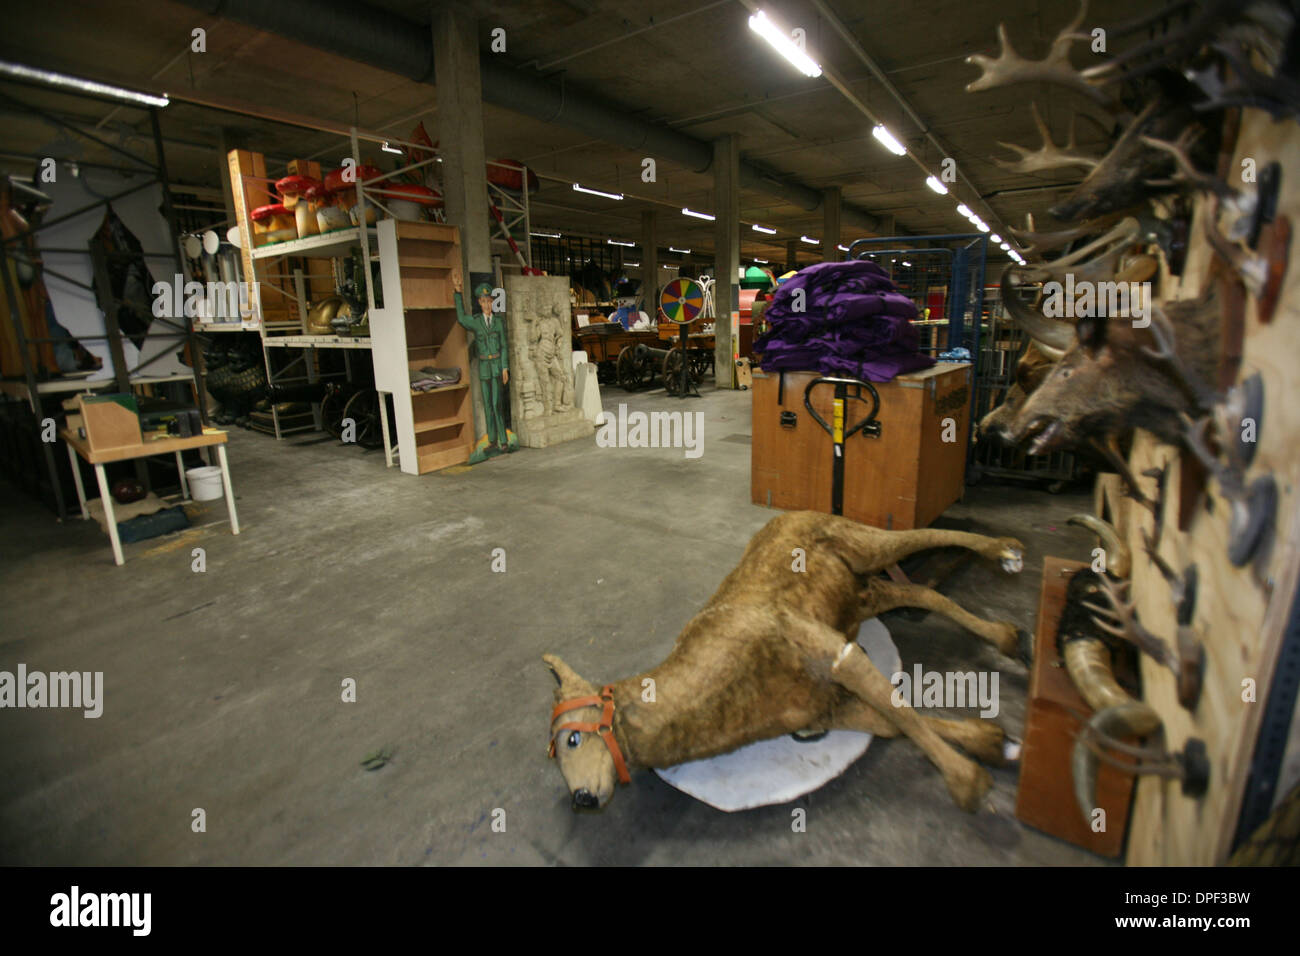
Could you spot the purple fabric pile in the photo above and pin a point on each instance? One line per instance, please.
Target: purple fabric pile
(854, 323)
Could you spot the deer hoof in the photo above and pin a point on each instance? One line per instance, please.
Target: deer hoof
(968, 784)
(1013, 560)
(1025, 640)
(1006, 638)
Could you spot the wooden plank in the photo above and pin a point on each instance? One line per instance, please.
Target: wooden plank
(423, 289)
(1241, 612)
(1045, 793)
(156, 446)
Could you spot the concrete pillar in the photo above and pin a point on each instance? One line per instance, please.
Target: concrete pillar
(791, 255)
(650, 262)
(726, 255)
(460, 134)
(460, 143)
(831, 225)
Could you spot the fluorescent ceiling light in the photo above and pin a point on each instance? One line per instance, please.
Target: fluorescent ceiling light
(933, 183)
(995, 238)
(887, 140)
(697, 215)
(764, 261)
(908, 264)
(615, 242)
(964, 211)
(596, 192)
(685, 252)
(782, 43)
(545, 235)
(757, 228)
(982, 226)
(631, 265)
(1005, 247)
(810, 240)
(842, 248)
(78, 85)
(667, 266)
(390, 149)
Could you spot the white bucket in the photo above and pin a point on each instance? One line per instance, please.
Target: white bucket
(205, 482)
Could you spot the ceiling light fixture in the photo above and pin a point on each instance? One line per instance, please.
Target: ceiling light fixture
(963, 210)
(545, 235)
(616, 242)
(77, 84)
(389, 149)
(782, 43)
(842, 248)
(933, 183)
(685, 252)
(810, 240)
(631, 265)
(908, 264)
(887, 140)
(995, 238)
(763, 261)
(697, 215)
(763, 229)
(596, 192)
(982, 226)
(1005, 247)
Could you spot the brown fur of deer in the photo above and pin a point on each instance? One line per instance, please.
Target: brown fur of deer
(1034, 365)
(774, 652)
(1108, 383)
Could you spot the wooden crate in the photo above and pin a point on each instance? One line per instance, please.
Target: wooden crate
(903, 479)
(1045, 797)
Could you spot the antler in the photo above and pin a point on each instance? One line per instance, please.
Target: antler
(1047, 241)
(1050, 156)
(1166, 353)
(1010, 67)
(1126, 625)
(1113, 245)
(1187, 172)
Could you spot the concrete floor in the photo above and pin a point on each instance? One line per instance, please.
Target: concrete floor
(222, 689)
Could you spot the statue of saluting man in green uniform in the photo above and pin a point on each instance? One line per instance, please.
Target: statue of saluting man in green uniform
(492, 354)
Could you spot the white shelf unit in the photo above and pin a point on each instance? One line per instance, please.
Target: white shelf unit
(417, 327)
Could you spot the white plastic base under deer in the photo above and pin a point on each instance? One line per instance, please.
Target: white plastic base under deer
(783, 769)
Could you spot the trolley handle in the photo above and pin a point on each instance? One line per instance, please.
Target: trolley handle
(869, 425)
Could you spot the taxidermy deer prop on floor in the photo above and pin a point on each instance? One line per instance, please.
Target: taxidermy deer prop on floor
(773, 653)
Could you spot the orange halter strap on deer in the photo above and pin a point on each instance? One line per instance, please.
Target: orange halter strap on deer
(605, 729)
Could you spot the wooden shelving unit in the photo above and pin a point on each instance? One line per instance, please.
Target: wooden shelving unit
(417, 327)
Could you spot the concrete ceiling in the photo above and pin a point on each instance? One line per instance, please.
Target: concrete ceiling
(691, 65)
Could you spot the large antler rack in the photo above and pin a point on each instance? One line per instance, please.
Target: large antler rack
(1009, 67)
(1049, 156)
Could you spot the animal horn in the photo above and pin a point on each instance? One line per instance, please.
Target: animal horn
(1115, 713)
(1131, 719)
(1118, 556)
(1053, 355)
(1045, 331)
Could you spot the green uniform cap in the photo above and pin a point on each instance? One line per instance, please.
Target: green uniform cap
(481, 290)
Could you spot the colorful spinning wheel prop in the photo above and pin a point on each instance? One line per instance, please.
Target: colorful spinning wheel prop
(682, 301)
